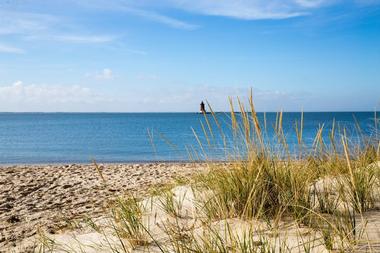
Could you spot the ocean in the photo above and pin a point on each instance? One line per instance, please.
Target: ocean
(42, 138)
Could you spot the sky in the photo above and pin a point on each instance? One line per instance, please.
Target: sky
(168, 55)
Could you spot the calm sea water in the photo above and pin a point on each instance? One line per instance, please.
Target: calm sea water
(136, 137)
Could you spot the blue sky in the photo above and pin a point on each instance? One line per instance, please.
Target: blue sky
(167, 55)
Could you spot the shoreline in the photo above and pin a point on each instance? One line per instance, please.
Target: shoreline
(45, 197)
(6, 165)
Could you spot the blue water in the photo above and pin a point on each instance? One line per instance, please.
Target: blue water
(123, 137)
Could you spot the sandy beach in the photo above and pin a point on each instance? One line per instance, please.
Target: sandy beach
(46, 197)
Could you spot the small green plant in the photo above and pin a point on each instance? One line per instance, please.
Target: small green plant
(128, 222)
(328, 238)
(46, 244)
(358, 186)
(170, 204)
(327, 202)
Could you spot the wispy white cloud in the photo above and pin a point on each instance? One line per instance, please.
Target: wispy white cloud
(239, 9)
(170, 21)
(313, 3)
(36, 26)
(33, 97)
(10, 49)
(84, 39)
(251, 10)
(141, 9)
(105, 74)
(80, 39)
(16, 22)
(242, 9)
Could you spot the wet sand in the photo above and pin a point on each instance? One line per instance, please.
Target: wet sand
(46, 197)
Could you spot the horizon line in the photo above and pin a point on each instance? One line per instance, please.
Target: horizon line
(193, 112)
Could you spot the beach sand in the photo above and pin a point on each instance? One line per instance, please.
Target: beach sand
(46, 197)
(49, 198)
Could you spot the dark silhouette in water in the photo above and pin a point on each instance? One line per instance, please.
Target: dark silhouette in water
(203, 109)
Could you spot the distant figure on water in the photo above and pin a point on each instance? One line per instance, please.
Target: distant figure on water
(203, 109)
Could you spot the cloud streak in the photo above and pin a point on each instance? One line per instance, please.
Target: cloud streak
(141, 9)
(248, 9)
(78, 39)
(17, 22)
(35, 26)
(84, 39)
(105, 74)
(10, 49)
(242, 9)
